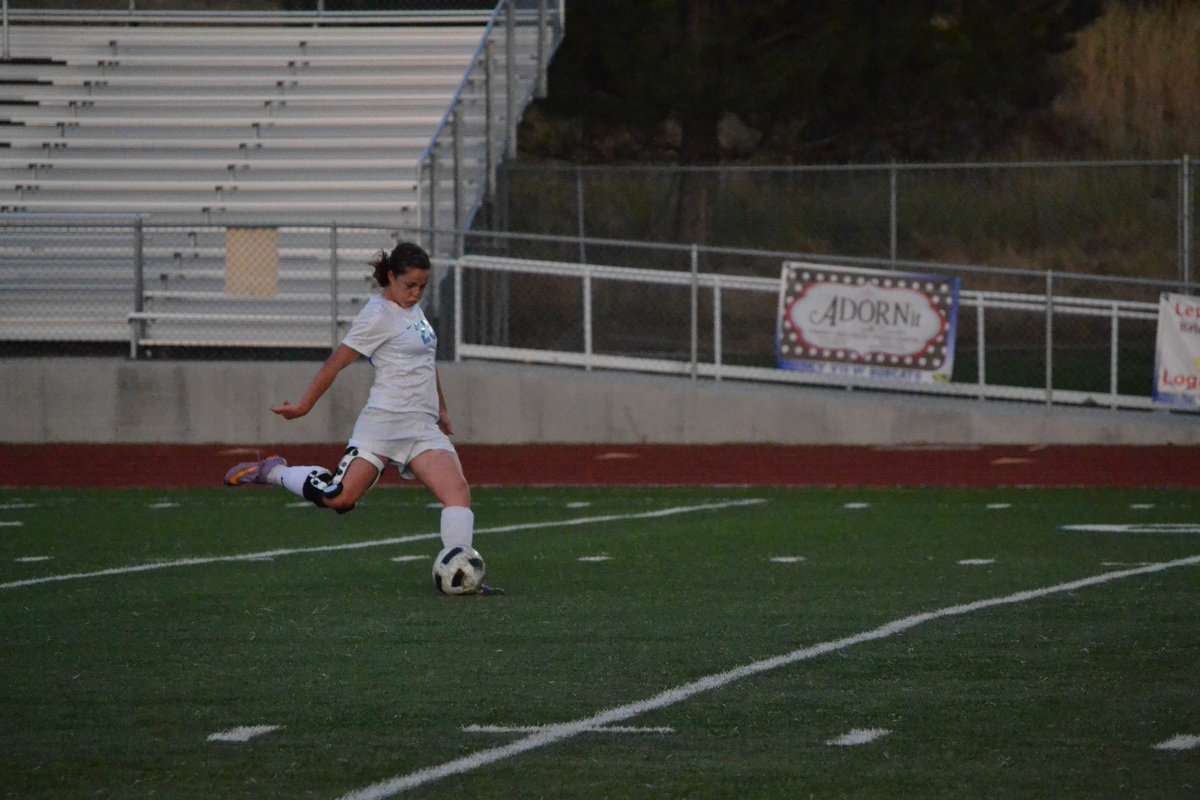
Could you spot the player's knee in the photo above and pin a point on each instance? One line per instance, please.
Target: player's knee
(320, 490)
(324, 489)
(458, 494)
(458, 490)
(341, 504)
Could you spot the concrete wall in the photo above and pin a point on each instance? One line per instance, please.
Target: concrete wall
(118, 401)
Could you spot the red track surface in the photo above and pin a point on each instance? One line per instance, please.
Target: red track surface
(175, 466)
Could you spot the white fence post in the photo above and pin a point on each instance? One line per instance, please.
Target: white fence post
(1049, 337)
(695, 311)
(458, 309)
(333, 285)
(980, 345)
(138, 328)
(587, 315)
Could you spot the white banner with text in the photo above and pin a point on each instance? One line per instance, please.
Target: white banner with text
(1177, 351)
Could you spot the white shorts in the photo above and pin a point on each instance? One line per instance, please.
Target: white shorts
(398, 435)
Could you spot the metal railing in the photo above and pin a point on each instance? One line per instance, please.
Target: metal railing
(1080, 340)
(479, 128)
(705, 313)
(191, 290)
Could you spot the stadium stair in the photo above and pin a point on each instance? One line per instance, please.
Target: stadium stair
(229, 124)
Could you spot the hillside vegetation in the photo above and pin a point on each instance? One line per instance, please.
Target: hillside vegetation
(1134, 86)
(1121, 86)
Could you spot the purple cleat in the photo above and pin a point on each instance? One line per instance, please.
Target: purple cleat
(249, 472)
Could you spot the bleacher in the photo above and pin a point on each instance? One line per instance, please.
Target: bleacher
(226, 123)
(134, 150)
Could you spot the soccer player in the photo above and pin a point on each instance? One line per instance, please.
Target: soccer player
(404, 422)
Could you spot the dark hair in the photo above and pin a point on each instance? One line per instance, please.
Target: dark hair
(404, 256)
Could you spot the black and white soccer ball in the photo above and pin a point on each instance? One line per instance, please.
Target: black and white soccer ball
(458, 570)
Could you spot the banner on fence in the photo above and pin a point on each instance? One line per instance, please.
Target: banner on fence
(1177, 351)
(873, 324)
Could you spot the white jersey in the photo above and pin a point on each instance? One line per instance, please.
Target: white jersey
(401, 346)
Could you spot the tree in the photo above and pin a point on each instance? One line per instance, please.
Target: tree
(815, 79)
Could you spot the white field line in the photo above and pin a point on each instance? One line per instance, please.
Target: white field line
(269, 554)
(1181, 742)
(550, 734)
(532, 728)
(1138, 527)
(858, 736)
(242, 734)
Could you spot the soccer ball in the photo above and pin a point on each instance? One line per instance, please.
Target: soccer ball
(458, 570)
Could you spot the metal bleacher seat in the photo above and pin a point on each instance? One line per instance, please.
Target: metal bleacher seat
(200, 131)
(225, 123)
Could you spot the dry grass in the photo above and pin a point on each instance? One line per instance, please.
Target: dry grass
(1135, 76)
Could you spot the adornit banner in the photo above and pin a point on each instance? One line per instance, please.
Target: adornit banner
(870, 324)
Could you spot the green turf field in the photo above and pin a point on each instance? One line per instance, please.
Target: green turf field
(685, 643)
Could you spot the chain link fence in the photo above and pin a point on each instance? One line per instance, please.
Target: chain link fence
(1061, 263)
(1058, 299)
(713, 313)
(118, 285)
(1122, 218)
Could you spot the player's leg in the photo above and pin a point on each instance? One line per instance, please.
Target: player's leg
(275, 470)
(357, 472)
(441, 472)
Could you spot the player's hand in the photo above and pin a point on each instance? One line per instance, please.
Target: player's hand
(444, 424)
(289, 411)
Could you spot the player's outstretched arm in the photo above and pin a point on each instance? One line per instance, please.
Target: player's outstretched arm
(341, 358)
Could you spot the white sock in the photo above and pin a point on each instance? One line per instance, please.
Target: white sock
(458, 526)
(292, 478)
